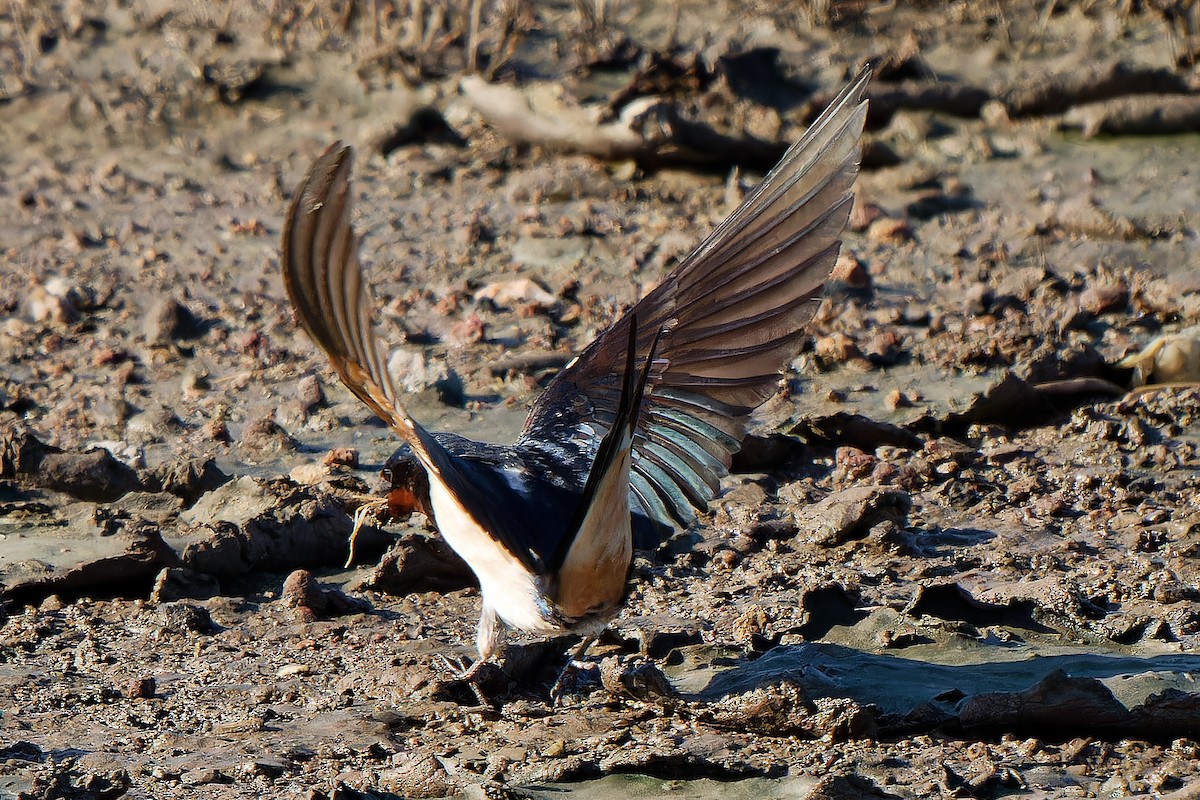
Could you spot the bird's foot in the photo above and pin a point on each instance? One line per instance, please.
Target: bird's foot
(458, 672)
(574, 665)
(556, 691)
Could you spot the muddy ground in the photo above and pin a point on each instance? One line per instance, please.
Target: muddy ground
(955, 558)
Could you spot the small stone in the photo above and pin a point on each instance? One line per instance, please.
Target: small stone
(168, 321)
(420, 776)
(202, 776)
(293, 670)
(55, 301)
(850, 272)
(851, 513)
(852, 463)
(51, 603)
(309, 393)
(266, 435)
(518, 292)
(888, 231)
(637, 678)
(896, 399)
(837, 348)
(309, 600)
(185, 618)
(1103, 296)
(139, 688)
(862, 214)
(181, 583)
(298, 589)
(342, 457)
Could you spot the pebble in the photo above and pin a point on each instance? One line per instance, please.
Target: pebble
(293, 670)
(186, 618)
(888, 231)
(136, 688)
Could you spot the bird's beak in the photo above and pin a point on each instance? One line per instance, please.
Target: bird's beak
(402, 502)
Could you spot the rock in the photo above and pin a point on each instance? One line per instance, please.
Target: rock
(888, 231)
(1056, 703)
(293, 670)
(836, 348)
(188, 477)
(636, 678)
(840, 719)
(848, 787)
(777, 710)
(138, 688)
(420, 563)
(850, 272)
(252, 524)
(169, 321)
(309, 393)
(1170, 712)
(342, 457)
(517, 292)
(420, 777)
(122, 561)
(92, 475)
(159, 508)
(265, 435)
(181, 583)
(55, 301)
(185, 619)
(310, 600)
(850, 513)
(1104, 296)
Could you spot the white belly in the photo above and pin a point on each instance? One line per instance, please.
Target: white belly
(507, 586)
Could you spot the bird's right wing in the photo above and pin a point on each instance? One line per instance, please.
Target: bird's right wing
(734, 312)
(326, 287)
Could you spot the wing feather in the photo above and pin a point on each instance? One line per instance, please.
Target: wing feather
(324, 282)
(734, 310)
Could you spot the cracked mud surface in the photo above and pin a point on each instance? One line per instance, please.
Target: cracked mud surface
(955, 558)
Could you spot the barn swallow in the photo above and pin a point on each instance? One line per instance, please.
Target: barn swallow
(634, 434)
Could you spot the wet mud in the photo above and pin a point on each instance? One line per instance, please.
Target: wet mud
(956, 557)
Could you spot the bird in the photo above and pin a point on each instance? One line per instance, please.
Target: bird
(633, 435)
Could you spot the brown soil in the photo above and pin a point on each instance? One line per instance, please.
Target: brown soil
(954, 559)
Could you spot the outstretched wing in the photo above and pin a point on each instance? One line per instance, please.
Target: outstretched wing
(325, 284)
(734, 312)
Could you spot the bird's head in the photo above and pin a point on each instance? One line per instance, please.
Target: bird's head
(407, 484)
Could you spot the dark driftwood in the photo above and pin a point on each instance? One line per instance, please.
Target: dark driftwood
(956, 99)
(650, 131)
(1144, 115)
(529, 362)
(1053, 94)
(536, 116)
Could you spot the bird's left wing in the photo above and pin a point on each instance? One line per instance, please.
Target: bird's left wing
(733, 312)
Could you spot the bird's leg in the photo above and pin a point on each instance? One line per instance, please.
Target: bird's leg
(572, 663)
(490, 642)
(489, 638)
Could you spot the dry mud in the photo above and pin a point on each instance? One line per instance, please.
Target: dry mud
(956, 558)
